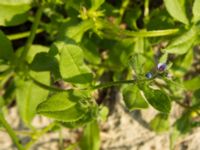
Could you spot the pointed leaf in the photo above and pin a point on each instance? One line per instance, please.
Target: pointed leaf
(176, 9)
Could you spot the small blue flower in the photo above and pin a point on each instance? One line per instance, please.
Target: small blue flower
(161, 66)
(149, 75)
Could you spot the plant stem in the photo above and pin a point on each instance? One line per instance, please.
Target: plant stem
(22, 35)
(33, 32)
(155, 33)
(109, 84)
(10, 132)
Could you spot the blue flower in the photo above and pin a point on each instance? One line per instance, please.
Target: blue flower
(149, 75)
(161, 66)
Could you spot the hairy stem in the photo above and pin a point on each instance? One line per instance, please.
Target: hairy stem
(10, 132)
(109, 84)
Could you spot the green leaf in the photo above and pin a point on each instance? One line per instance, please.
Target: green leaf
(137, 62)
(13, 12)
(91, 137)
(90, 50)
(63, 106)
(30, 95)
(104, 113)
(176, 9)
(6, 50)
(133, 98)
(59, 101)
(75, 31)
(96, 4)
(157, 98)
(192, 84)
(195, 11)
(70, 114)
(72, 67)
(183, 43)
(160, 123)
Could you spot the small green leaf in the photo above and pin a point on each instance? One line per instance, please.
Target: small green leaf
(133, 98)
(192, 84)
(157, 98)
(72, 67)
(195, 10)
(91, 137)
(176, 9)
(6, 50)
(160, 123)
(13, 12)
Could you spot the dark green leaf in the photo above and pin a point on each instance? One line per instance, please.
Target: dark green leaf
(158, 99)
(133, 98)
(91, 137)
(160, 123)
(6, 50)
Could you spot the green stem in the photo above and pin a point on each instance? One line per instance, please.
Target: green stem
(22, 35)
(10, 132)
(155, 33)
(33, 32)
(109, 84)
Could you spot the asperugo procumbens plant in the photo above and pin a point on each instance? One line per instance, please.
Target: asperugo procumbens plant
(141, 48)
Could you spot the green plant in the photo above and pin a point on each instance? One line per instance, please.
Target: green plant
(89, 39)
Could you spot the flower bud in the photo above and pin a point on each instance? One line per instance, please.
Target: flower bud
(161, 66)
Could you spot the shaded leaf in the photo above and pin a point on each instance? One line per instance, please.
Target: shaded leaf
(6, 50)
